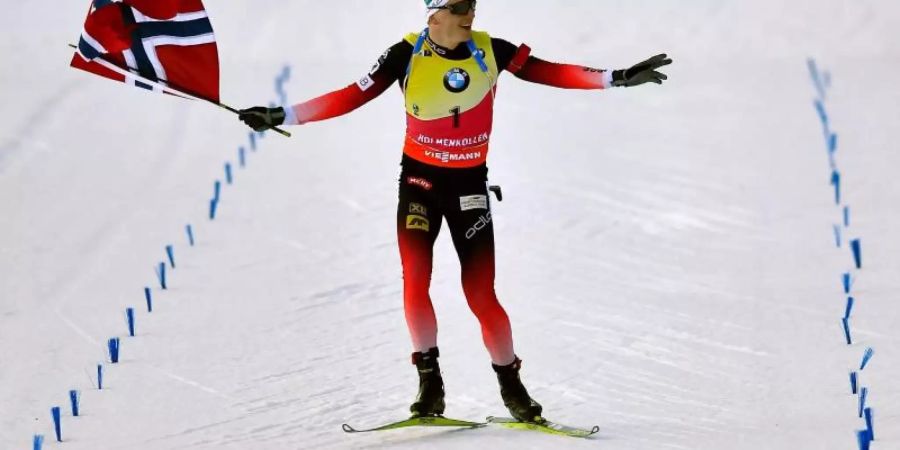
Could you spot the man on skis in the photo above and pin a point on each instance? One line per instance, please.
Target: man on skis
(448, 75)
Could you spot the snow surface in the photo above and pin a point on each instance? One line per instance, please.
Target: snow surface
(665, 253)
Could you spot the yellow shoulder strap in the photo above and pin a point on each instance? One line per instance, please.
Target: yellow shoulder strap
(411, 38)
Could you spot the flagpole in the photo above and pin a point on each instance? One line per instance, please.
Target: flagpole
(115, 68)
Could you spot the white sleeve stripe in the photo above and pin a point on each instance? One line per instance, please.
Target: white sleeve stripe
(290, 117)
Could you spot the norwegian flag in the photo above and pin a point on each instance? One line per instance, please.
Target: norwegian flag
(160, 45)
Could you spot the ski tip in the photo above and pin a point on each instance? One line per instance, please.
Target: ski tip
(595, 430)
(348, 428)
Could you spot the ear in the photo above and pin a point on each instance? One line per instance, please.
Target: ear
(433, 20)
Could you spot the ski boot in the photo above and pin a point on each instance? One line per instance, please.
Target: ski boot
(430, 401)
(515, 397)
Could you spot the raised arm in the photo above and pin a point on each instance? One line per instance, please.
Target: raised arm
(387, 70)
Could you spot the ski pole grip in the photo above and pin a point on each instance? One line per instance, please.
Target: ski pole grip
(497, 191)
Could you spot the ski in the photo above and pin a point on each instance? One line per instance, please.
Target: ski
(544, 426)
(423, 421)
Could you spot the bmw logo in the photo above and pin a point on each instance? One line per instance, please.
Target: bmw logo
(456, 80)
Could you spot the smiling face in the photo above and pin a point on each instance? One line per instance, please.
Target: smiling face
(451, 27)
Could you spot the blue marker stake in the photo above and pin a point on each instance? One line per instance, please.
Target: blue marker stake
(161, 275)
(213, 204)
(242, 157)
(847, 282)
(190, 234)
(73, 398)
(836, 182)
(113, 345)
(863, 393)
(129, 316)
(100, 377)
(837, 235)
(866, 357)
(862, 438)
(846, 216)
(170, 252)
(857, 252)
(38, 442)
(228, 178)
(849, 309)
(149, 299)
(823, 116)
(57, 426)
(832, 143)
(854, 383)
(846, 322)
(252, 141)
(816, 79)
(217, 190)
(869, 423)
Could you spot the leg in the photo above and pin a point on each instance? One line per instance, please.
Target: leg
(471, 226)
(418, 224)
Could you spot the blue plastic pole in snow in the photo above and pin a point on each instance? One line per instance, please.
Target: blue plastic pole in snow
(863, 393)
(217, 190)
(862, 438)
(869, 423)
(837, 235)
(836, 182)
(149, 299)
(73, 399)
(57, 426)
(129, 317)
(190, 234)
(849, 307)
(242, 157)
(866, 357)
(228, 178)
(855, 245)
(170, 252)
(832, 143)
(100, 376)
(846, 216)
(38, 442)
(848, 282)
(161, 274)
(846, 322)
(113, 346)
(854, 383)
(213, 204)
(252, 141)
(823, 116)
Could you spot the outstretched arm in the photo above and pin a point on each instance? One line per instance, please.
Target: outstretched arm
(386, 71)
(570, 76)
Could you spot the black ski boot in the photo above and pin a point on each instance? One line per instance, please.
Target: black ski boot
(515, 397)
(430, 401)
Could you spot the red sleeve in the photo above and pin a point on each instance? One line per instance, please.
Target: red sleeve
(340, 102)
(387, 70)
(566, 76)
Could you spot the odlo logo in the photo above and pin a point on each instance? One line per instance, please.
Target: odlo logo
(483, 221)
(456, 80)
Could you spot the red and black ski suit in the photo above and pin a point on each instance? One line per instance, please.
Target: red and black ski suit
(444, 172)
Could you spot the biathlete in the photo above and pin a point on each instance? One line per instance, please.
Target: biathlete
(448, 75)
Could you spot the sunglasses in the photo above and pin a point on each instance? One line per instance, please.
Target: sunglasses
(459, 9)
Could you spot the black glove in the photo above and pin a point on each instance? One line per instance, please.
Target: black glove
(644, 72)
(261, 118)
